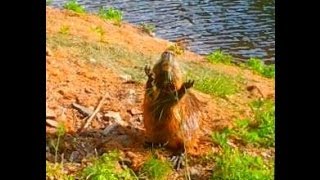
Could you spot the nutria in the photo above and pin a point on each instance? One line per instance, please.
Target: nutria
(171, 111)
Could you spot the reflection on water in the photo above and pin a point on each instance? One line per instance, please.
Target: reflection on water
(243, 28)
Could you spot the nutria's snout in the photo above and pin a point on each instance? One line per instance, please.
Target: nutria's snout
(164, 71)
(167, 60)
(167, 56)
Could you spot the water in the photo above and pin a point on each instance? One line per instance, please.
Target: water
(242, 28)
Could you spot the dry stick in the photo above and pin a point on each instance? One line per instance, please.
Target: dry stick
(95, 112)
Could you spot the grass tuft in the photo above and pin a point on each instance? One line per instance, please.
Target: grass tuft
(111, 14)
(107, 167)
(219, 57)
(156, 169)
(73, 5)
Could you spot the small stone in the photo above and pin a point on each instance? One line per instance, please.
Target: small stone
(50, 114)
(152, 34)
(115, 116)
(254, 91)
(126, 77)
(92, 60)
(111, 115)
(49, 156)
(131, 155)
(124, 140)
(131, 96)
(88, 90)
(140, 118)
(135, 111)
(52, 123)
(75, 157)
(48, 52)
(131, 92)
(109, 128)
(194, 173)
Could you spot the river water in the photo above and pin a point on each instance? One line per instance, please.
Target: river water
(242, 28)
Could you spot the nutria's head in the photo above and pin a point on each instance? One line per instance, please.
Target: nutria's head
(167, 72)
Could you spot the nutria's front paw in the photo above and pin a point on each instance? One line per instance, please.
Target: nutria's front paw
(147, 70)
(188, 84)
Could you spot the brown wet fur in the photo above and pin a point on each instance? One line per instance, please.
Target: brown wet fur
(167, 119)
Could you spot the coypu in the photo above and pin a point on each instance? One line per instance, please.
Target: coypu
(171, 112)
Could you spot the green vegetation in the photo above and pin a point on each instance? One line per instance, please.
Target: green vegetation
(259, 131)
(254, 64)
(148, 28)
(111, 55)
(64, 30)
(111, 14)
(214, 83)
(48, 2)
(219, 57)
(221, 138)
(258, 66)
(55, 144)
(176, 49)
(99, 30)
(156, 169)
(56, 171)
(233, 164)
(107, 168)
(220, 85)
(73, 5)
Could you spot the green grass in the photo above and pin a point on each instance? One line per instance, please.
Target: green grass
(73, 5)
(220, 57)
(111, 55)
(100, 31)
(64, 30)
(56, 143)
(259, 131)
(211, 80)
(233, 164)
(48, 2)
(156, 169)
(107, 167)
(176, 49)
(254, 64)
(258, 66)
(215, 84)
(111, 14)
(56, 171)
(221, 138)
(148, 28)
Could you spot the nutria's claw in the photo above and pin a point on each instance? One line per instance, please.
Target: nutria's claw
(188, 84)
(147, 70)
(178, 161)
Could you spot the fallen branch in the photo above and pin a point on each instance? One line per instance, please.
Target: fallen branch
(95, 112)
(83, 110)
